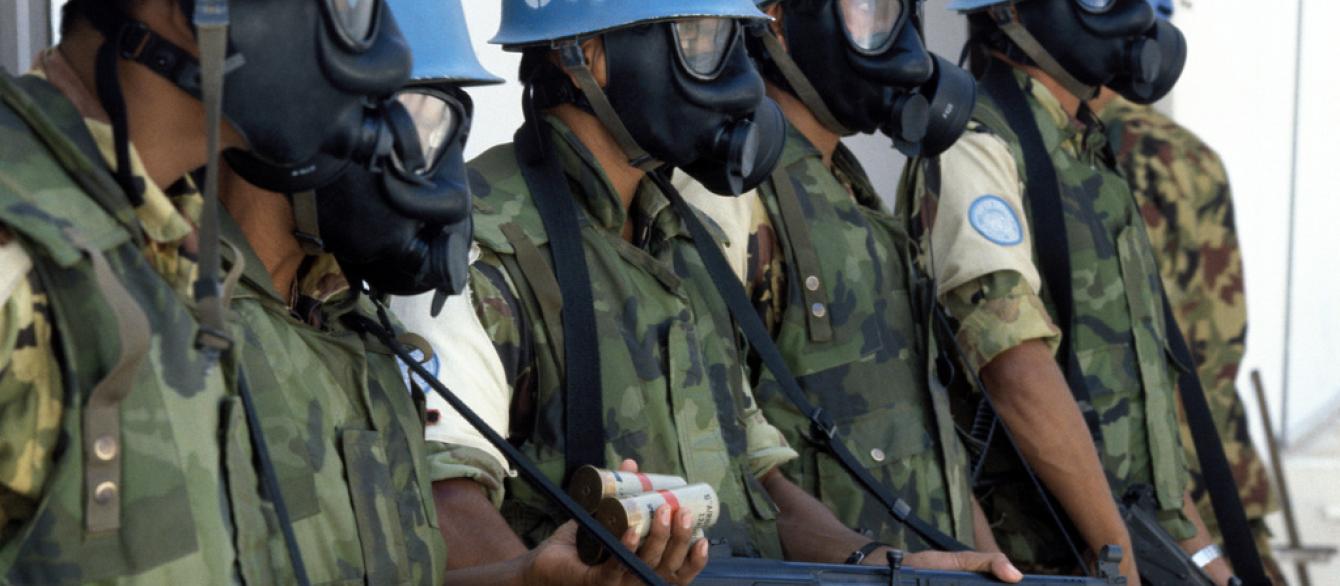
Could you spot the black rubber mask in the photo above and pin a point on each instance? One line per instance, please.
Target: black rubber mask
(867, 88)
(405, 228)
(1124, 47)
(707, 116)
(300, 87)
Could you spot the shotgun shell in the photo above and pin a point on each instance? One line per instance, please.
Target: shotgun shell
(590, 485)
(637, 512)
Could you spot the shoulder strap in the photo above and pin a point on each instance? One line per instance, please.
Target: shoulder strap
(584, 438)
(1214, 466)
(751, 325)
(60, 129)
(542, 282)
(806, 258)
(1043, 194)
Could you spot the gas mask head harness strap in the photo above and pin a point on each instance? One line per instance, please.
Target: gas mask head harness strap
(1085, 44)
(860, 66)
(574, 62)
(1006, 17)
(800, 84)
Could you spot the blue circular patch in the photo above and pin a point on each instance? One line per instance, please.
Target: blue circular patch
(994, 219)
(412, 379)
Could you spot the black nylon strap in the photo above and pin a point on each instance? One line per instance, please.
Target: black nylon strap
(1215, 471)
(270, 479)
(751, 325)
(1048, 215)
(584, 424)
(529, 471)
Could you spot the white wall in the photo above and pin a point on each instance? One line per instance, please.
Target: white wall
(1238, 95)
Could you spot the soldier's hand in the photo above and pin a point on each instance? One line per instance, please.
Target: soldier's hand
(995, 564)
(668, 549)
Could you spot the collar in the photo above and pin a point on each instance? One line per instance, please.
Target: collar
(1084, 139)
(650, 208)
(846, 168)
(163, 220)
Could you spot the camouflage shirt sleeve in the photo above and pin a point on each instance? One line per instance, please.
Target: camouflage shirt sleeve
(30, 389)
(997, 312)
(766, 446)
(977, 245)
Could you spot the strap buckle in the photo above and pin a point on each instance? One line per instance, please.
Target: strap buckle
(822, 425)
(132, 39)
(212, 340)
(1004, 13)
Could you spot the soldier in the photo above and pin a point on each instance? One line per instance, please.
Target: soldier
(827, 263)
(642, 362)
(1184, 196)
(1044, 58)
(151, 437)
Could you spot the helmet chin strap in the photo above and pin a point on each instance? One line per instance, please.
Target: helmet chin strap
(211, 22)
(800, 84)
(574, 62)
(1006, 17)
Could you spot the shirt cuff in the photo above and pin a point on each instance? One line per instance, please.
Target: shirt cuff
(768, 448)
(998, 312)
(449, 462)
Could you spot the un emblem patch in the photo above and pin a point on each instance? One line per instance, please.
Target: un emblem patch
(995, 220)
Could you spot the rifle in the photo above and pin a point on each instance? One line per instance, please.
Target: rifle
(1162, 561)
(757, 572)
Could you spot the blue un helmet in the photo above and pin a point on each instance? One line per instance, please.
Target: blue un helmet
(403, 226)
(527, 23)
(441, 53)
(681, 90)
(1115, 43)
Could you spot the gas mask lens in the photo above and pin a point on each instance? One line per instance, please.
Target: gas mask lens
(1096, 6)
(703, 44)
(870, 24)
(354, 20)
(438, 118)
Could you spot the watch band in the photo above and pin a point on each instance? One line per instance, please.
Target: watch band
(1206, 555)
(859, 555)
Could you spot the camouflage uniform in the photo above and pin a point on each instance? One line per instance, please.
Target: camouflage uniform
(1183, 193)
(675, 390)
(1118, 335)
(828, 269)
(173, 496)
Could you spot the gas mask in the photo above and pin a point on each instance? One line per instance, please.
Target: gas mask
(860, 67)
(686, 95)
(1117, 43)
(298, 78)
(405, 228)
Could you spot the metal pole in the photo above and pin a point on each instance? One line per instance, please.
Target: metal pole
(1293, 216)
(1281, 486)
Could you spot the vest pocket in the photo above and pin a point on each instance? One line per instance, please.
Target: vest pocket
(894, 448)
(375, 509)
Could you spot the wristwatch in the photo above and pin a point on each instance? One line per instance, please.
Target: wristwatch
(1206, 555)
(859, 555)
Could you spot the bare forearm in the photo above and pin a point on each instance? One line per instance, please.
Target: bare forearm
(1032, 399)
(475, 533)
(1219, 569)
(808, 530)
